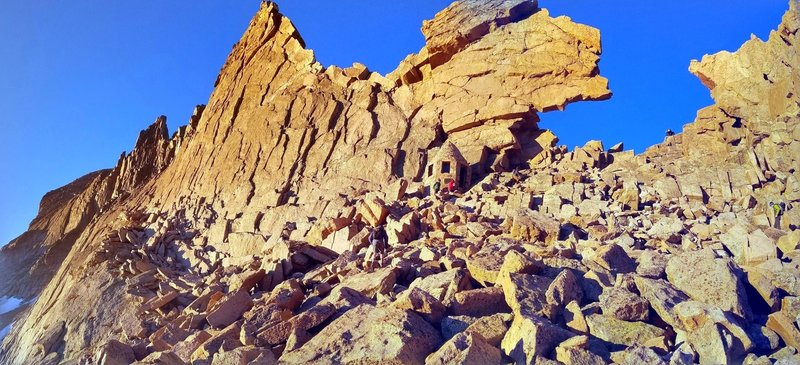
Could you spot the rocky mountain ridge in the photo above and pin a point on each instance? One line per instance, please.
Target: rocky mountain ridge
(240, 239)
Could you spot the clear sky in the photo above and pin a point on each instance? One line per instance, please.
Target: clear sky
(80, 79)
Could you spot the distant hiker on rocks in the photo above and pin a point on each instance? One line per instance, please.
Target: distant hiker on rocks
(670, 133)
(436, 187)
(377, 248)
(777, 211)
(451, 186)
(287, 230)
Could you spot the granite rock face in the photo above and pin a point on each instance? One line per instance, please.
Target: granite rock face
(758, 82)
(32, 259)
(245, 236)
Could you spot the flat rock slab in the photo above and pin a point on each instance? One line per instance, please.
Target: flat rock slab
(528, 292)
(619, 332)
(663, 298)
(444, 286)
(370, 335)
(230, 310)
(709, 280)
(372, 283)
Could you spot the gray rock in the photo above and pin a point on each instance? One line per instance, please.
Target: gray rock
(465, 348)
(614, 259)
(531, 335)
(619, 332)
(624, 305)
(709, 280)
(652, 264)
(564, 289)
(663, 297)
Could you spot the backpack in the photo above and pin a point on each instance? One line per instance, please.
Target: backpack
(381, 234)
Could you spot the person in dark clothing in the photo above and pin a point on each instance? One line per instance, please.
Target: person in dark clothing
(378, 244)
(437, 186)
(378, 235)
(670, 133)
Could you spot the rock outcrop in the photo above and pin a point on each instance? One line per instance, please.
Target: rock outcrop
(246, 236)
(31, 260)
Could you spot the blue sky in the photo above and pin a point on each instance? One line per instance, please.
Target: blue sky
(80, 79)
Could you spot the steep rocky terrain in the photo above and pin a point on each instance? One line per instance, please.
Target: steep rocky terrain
(242, 238)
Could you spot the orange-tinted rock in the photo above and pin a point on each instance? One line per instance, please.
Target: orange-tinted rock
(230, 309)
(289, 153)
(370, 334)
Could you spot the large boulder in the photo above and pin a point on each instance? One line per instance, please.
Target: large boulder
(624, 305)
(422, 303)
(710, 280)
(371, 284)
(528, 292)
(613, 258)
(716, 336)
(443, 286)
(577, 355)
(230, 309)
(245, 356)
(368, 334)
(565, 288)
(784, 327)
(465, 348)
(494, 261)
(373, 211)
(535, 226)
(663, 298)
(480, 302)
(492, 328)
(619, 332)
(280, 332)
(530, 336)
(115, 353)
(789, 242)
(402, 230)
(651, 264)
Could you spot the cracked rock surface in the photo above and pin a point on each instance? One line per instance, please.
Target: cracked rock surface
(244, 237)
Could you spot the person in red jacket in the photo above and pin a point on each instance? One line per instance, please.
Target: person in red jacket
(451, 186)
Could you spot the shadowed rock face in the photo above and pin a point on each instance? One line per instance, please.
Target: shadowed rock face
(29, 261)
(64, 214)
(290, 158)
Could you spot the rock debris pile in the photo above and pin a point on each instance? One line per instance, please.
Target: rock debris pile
(313, 215)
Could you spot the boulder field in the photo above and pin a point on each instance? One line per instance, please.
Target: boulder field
(247, 236)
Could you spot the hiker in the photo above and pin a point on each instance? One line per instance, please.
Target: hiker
(516, 174)
(670, 133)
(286, 233)
(377, 248)
(436, 187)
(777, 211)
(451, 186)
